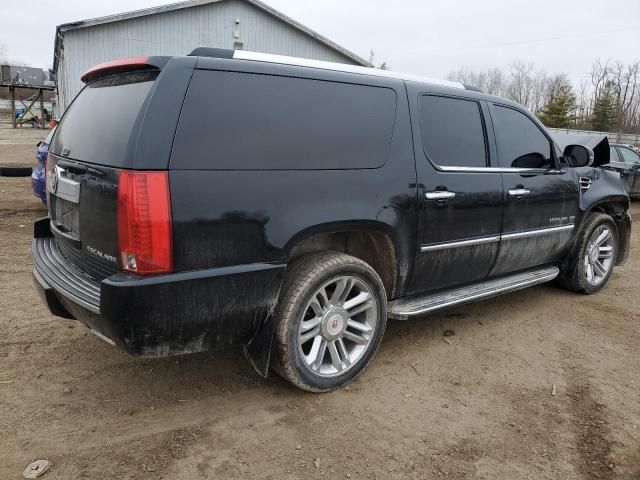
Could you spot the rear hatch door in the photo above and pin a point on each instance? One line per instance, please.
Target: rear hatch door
(94, 141)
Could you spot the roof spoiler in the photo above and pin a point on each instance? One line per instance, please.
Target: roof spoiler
(124, 65)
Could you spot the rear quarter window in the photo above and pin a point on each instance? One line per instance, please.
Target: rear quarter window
(242, 121)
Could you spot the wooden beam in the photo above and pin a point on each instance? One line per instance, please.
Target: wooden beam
(13, 106)
(41, 94)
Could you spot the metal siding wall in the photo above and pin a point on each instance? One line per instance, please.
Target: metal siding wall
(179, 32)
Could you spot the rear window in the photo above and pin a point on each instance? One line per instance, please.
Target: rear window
(452, 131)
(97, 126)
(247, 121)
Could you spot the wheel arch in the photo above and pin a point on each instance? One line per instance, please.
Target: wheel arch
(616, 207)
(371, 242)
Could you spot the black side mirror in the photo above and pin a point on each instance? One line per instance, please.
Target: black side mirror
(578, 155)
(39, 144)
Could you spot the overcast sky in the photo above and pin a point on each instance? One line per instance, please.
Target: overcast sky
(428, 38)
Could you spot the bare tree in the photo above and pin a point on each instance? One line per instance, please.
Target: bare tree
(600, 75)
(625, 78)
(521, 82)
(583, 111)
(495, 82)
(535, 89)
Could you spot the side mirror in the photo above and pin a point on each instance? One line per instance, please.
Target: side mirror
(39, 144)
(578, 155)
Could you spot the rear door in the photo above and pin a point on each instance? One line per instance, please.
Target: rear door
(459, 194)
(541, 196)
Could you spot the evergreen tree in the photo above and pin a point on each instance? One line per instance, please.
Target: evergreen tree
(604, 109)
(560, 111)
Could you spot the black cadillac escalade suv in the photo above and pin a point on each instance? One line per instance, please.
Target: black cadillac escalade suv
(290, 206)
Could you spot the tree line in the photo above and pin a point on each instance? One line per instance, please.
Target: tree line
(607, 101)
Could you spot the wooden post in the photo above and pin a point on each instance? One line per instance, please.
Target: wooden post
(13, 106)
(41, 107)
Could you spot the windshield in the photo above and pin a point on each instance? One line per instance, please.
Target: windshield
(97, 126)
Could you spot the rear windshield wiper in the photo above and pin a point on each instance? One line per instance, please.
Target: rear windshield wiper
(78, 168)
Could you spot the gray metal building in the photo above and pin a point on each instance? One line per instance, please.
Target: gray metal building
(179, 28)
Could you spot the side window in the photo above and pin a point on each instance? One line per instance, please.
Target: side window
(613, 154)
(244, 121)
(452, 131)
(629, 155)
(521, 144)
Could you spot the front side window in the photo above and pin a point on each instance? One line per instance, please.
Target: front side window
(452, 131)
(629, 155)
(613, 155)
(521, 144)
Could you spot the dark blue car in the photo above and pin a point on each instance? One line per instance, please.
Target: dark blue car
(38, 174)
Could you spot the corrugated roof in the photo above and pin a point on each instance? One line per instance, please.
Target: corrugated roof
(195, 3)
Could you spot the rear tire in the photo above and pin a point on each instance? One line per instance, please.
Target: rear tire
(594, 255)
(330, 320)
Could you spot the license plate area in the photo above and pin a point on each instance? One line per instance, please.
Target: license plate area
(65, 217)
(64, 201)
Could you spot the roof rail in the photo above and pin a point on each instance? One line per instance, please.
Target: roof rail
(473, 88)
(211, 52)
(304, 62)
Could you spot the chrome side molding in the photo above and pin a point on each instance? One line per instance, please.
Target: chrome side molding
(495, 238)
(535, 233)
(462, 243)
(522, 171)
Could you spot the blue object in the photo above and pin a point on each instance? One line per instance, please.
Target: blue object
(38, 174)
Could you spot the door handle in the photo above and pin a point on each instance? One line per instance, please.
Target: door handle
(519, 192)
(440, 195)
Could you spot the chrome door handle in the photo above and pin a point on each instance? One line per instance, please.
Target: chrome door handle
(519, 192)
(440, 195)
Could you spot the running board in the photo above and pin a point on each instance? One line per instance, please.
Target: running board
(404, 308)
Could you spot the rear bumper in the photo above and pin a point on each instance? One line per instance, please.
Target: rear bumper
(160, 315)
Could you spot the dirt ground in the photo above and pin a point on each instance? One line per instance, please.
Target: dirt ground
(478, 405)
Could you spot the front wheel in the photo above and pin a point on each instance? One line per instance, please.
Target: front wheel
(331, 318)
(594, 255)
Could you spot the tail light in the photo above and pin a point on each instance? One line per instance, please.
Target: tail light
(144, 222)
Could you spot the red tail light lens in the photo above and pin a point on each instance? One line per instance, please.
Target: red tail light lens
(144, 222)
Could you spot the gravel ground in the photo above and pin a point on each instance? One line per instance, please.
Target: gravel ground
(478, 405)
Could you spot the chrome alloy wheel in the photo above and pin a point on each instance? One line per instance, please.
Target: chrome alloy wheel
(337, 326)
(598, 257)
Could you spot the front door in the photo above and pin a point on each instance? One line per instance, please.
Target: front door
(459, 194)
(541, 196)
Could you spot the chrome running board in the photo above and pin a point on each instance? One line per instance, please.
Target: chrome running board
(404, 308)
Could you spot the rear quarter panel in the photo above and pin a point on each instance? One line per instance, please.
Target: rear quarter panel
(233, 217)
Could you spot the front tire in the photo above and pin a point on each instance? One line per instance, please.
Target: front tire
(594, 255)
(330, 320)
